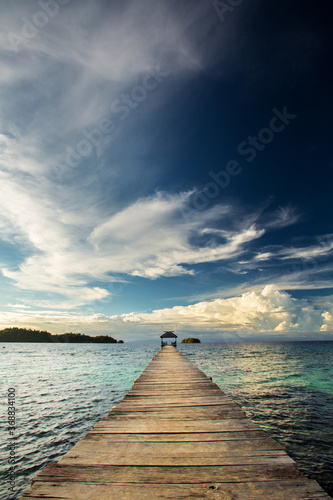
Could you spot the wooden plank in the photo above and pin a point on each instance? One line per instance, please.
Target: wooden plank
(252, 447)
(175, 438)
(170, 438)
(197, 413)
(98, 457)
(277, 490)
(168, 474)
(167, 399)
(177, 393)
(175, 403)
(184, 407)
(178, 426)
(167, 388)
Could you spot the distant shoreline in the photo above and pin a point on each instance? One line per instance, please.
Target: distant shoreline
(27, 335)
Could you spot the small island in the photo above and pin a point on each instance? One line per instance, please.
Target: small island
(28, 335)
(191, 340)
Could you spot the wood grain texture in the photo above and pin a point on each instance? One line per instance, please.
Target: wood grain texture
(277, 490)
(175, 437)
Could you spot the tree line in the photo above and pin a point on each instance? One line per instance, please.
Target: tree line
(29, 335)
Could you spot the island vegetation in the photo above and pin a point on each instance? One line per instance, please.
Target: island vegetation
(28, 335)
(190, 340)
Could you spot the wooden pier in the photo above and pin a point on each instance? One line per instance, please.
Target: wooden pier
(175, 435)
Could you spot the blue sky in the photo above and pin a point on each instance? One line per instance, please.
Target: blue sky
(167, 163)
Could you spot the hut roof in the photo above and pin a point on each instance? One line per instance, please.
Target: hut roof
(168, 335)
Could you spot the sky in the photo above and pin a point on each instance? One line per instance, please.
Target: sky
(167, 165)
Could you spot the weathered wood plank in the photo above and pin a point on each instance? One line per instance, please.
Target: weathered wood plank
(180, 393)
(229, 440)
(168, 474)
(252, 447)
(133, 400)
(176, 438)
(179, 403)
(177, 426)
(123, 459)
(191, 413)
(277, 490)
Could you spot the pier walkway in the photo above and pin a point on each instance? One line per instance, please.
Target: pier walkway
(175, 435)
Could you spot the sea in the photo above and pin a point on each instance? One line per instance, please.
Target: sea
(60, 391)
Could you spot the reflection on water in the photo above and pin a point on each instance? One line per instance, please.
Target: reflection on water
(286, 388)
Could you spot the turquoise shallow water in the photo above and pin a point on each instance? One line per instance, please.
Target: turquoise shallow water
(62, 390)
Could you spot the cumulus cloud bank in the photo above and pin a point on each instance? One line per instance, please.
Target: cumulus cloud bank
(268, 311)
(265, 310)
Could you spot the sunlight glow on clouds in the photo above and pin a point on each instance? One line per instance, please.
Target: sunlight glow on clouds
(266, 311)
(257, 311)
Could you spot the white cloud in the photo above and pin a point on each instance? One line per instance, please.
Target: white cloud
(86, 69)
(263, 256)
(18, 306)
(303, 267)
(267, 312)
(283, 217)
(323, 248)
(148, 238)
(328, 321)
(258, 311)
(327, 316)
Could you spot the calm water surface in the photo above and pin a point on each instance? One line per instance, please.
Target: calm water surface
(62, 390)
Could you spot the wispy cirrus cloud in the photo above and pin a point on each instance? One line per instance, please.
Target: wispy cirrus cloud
(283, 217)
(323, 247)
(304, 258)
(153, 240)
(86, 69)
(148, 238)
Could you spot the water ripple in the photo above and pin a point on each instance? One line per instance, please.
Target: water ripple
(63, 390)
